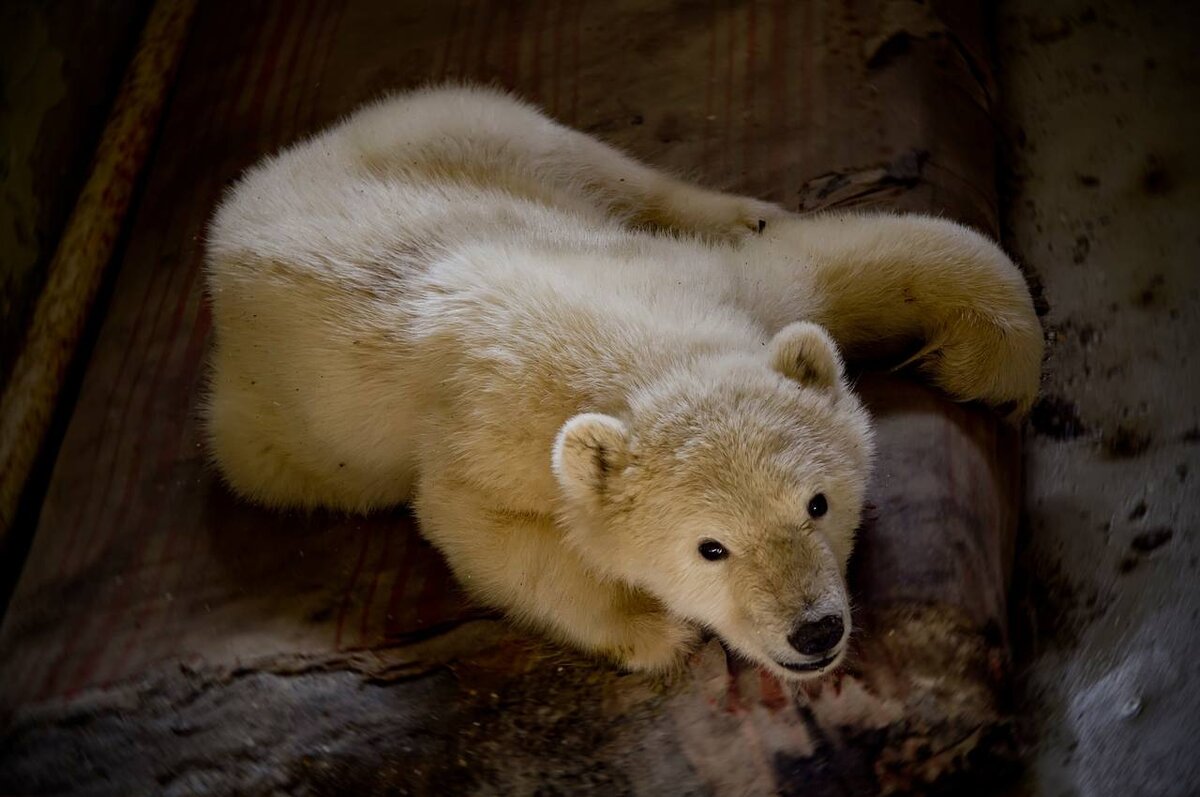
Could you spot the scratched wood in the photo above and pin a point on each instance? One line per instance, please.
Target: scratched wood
(143, 563)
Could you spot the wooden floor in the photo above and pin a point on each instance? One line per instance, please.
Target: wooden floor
(152, 596)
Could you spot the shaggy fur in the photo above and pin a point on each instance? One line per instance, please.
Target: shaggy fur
(578, 369)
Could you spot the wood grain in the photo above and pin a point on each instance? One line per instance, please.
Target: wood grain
(85, 250)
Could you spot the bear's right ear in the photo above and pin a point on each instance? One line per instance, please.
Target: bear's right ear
(589, 449)
(804, 352)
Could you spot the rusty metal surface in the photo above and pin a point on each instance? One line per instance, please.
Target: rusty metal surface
(153, 601)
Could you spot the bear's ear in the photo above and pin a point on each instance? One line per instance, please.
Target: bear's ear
(805, 353)
(589, 449)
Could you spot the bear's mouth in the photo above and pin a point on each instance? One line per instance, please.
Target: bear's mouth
(808, 666)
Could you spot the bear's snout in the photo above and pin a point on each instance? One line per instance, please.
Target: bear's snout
(819, 637)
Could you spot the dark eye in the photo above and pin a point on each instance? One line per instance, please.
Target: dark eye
(818, 505)
(713, 551)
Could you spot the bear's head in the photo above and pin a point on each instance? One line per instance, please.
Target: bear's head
(731, 492)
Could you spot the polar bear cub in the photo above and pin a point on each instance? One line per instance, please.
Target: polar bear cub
(615, 400)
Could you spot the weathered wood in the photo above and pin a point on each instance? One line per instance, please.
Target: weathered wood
(174, 639)
(85, 250)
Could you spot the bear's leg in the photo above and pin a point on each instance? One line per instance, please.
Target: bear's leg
(253, 461)
(263, 458)
(496, 135)
(646, 197)
(886, 284)
(520, 563)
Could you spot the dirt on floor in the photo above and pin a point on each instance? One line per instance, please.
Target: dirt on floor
(1102, 192)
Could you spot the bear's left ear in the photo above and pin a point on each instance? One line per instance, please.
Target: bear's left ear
(589, 449)
(804, 352)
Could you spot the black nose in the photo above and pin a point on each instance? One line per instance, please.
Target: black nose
(813, 639)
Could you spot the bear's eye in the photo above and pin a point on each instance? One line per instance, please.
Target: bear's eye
(713, 551)
(818, 505)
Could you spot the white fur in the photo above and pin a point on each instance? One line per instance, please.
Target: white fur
(578, 368)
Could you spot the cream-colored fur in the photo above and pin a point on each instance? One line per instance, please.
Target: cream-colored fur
(578, 368)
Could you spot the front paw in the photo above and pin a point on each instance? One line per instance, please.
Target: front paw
(732, 218)
(989, 355)
(718, 216)
(657, 642)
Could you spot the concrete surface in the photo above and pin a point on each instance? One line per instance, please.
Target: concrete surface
(1103, 207)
